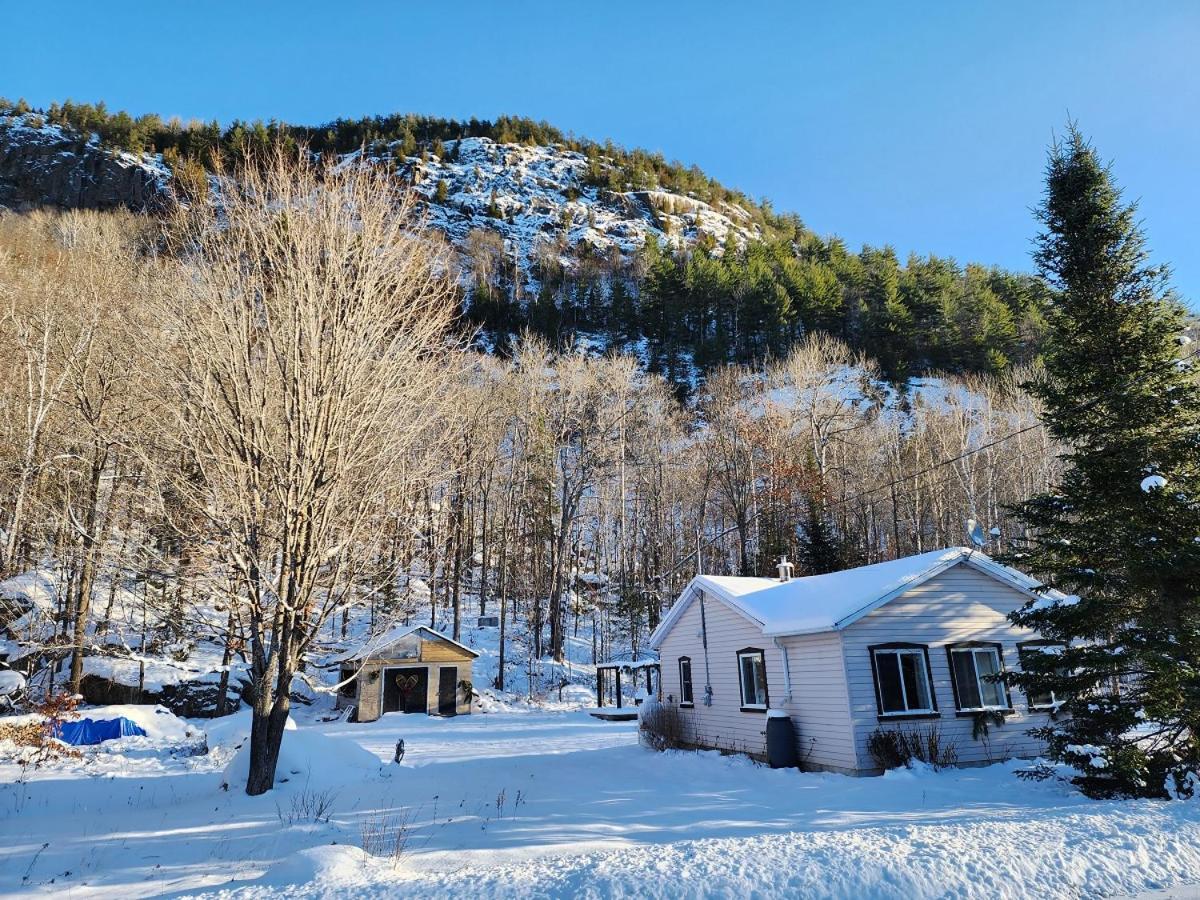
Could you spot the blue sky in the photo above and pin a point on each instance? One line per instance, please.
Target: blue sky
(922, 125)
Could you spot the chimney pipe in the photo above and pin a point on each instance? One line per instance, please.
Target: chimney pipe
(785, 568)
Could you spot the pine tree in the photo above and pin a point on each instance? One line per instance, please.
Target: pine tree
(819, 549)
(1120, 533)
(441, 194)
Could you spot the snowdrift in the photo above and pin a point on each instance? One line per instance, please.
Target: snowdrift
(331, 867)
(310, 756)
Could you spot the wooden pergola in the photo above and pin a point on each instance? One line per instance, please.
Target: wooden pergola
(634, 669)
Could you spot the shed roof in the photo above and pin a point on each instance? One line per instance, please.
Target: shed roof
(831, 602)
(373, 645)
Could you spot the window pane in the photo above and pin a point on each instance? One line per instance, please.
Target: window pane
(685, 680)
(964, 677)
(916, 684)
(887, 668)
(1039, 698)
(754, 683)
(987, 662)
(760, 680)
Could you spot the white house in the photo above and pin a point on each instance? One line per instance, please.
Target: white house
(896, 645)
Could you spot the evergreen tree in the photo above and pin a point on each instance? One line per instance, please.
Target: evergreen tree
(1119, 534)
(441, 194)
(819, 549)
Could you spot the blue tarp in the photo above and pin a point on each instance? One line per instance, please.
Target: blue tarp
(93, 731)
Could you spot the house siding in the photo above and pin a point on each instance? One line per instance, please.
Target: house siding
(722, 725)
(958, 605)
(819, 705)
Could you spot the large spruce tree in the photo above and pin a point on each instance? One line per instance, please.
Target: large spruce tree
(1120, 533)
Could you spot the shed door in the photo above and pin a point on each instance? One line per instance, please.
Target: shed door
(448, 691)
(406, 689)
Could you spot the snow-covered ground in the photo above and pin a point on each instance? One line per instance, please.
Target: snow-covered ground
(556, 804)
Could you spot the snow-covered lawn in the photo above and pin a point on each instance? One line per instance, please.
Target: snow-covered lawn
(561, 804)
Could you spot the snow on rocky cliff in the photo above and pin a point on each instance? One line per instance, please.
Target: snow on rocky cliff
(42, 164)
(534, 198)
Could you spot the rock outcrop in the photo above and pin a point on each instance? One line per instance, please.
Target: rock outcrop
(44, 165)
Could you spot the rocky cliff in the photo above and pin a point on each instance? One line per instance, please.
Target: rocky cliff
(533, 201)
(44, 165)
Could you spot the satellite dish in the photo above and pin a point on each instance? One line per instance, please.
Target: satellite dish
(975, 533)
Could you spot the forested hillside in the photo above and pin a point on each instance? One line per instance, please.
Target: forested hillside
(238, 433)
(573, 240)
(558, 490)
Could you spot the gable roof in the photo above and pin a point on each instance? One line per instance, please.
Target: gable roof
(831, 602)
(374, 645)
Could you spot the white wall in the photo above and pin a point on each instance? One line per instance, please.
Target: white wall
(961, 604)
(820, 706)
(722, 725)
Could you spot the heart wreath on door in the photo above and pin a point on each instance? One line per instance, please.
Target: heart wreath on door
(405, 683)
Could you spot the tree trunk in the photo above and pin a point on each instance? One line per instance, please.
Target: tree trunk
(226, 659)
(266, 736)
(87, 573)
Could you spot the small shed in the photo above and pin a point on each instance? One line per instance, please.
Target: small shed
(410, 669)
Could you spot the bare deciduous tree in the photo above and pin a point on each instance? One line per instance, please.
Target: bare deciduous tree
(298, 357)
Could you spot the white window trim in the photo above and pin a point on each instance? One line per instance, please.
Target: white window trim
(1054, 649)
(922, 667)
(751, 654)
(979, 682)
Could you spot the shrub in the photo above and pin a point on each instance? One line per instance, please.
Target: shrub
(893, 748)
(34, 739)
(387, 836)
(308, 806)
(661, 725)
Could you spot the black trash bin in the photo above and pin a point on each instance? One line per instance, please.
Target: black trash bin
(781, 741)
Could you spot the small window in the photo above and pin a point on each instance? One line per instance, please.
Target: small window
(349, 684)
(685, 681)
(752, 673)
(1042, 699)
(903, 685)
(975, 670)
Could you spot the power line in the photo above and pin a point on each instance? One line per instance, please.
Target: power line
(1083, 407)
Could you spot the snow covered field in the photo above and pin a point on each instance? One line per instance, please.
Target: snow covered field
(539, 803)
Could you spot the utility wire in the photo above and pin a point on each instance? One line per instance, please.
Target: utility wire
(1083, 407)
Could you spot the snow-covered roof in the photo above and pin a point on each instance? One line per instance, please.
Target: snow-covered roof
(831, 602)
(373, 645)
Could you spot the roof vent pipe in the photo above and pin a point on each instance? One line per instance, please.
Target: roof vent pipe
(785, 568)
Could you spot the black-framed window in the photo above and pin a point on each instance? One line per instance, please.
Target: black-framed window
(903, 680)
(752, 676)
(1041, 699)
(975, 671)
(685, 681)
